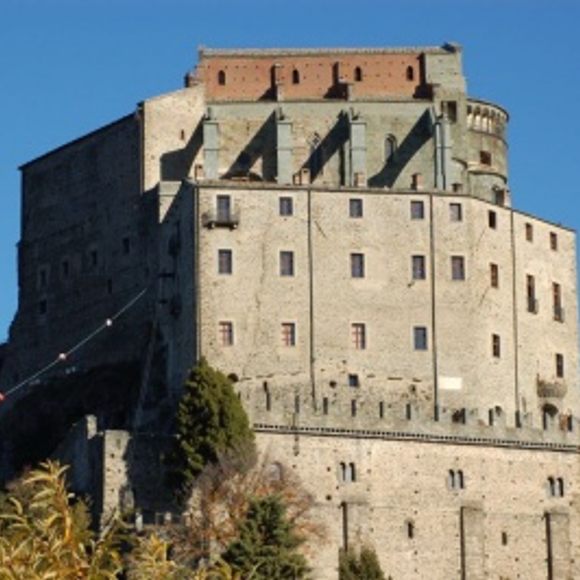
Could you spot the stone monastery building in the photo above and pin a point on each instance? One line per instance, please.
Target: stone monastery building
(335, 229)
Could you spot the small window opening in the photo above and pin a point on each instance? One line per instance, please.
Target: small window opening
(221, 78)
(268, 401)
(297, 404)
(94, 258)
(529, 232)
(126, 246)
(353, 380)
(417, 210)
(504, 539)
(496, 345)
(492, 219)
(295, 77)
(553, 241)
(42, 307)
(381, 410)
(560, 365)
(358, 75)
(355, 208)
(65, 268)
(390, 148)
(485, 158)
(325, 406)
(353, 408)
(286, 206)
(109, 286)
(410, 73)
(410, 530)
(494, 275)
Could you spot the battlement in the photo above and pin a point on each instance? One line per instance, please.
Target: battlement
(363, 415)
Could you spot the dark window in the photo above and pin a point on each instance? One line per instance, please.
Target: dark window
(529, 232)
(504, 539)
(325, 405)
(286, 206)
(418, 267)
(353, 408)
(226, 333)
(496, 345)
(420, 338)
(355, 208)
(286, 263)
(295, 77)
(359, 335)
(221, 77)
(457, 268)
(65, 268)
(94, 255)
(494, 275)
(353, 381)
(357, 265)
(492, 219)
(126, 245)
(109, 286)
(288, 334)
(410, 73)
(224, 208)
(557, 302)
(532, 303)
(553, 241)
(410, 530)
(485, 157)
(560, 365)
(358, 75)
(390, 147)
(42, 307)
(43, 278)
(225, 262)
(455, 212)
(417, 210)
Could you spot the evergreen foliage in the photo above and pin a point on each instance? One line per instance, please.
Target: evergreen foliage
(210, 421)
(267, 544)
(364, 566)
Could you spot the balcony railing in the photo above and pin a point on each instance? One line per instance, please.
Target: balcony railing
(221, 219)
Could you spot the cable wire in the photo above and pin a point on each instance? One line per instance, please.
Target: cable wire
(64, 355)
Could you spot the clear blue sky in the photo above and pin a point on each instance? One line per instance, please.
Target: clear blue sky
(69, 66)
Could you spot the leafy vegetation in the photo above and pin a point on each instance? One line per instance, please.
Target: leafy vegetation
(362, 566)
(210, 421)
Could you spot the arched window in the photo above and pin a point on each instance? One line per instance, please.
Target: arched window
(551, 487)
(410, 73)
(560, 487)
(295, 77)
(221, 77)
(390, 147)
(358, 74)
(451, 479)
(460, 480)
(342, 472)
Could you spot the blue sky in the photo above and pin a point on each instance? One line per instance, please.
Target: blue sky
(69, 66)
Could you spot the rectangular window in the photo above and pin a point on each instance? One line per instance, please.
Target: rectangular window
(226, 333)
(417, 210)
(353, 381)
(494, 275)
(286, 206)
(224, 208)
(420, 337)
(457, 268)
(553, 241)
(225, 265)
(42, 307)
(286, 263)
(532, 303)
(455, 212)
(496, 345)
(359, 335)
(485, 157)
(557, 301)
(357, 265)
(288, 334)
(560, 365)
(529, 232)
(94, 256)
(492, 219)
(355, 208)
(126, 246)
(418, 267)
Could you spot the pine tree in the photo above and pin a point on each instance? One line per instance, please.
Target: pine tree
(364, 566)
(210, 421)
(267, 546)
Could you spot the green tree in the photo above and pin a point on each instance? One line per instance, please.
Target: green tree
(210, 421)
(364, 566)
(267, 545)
